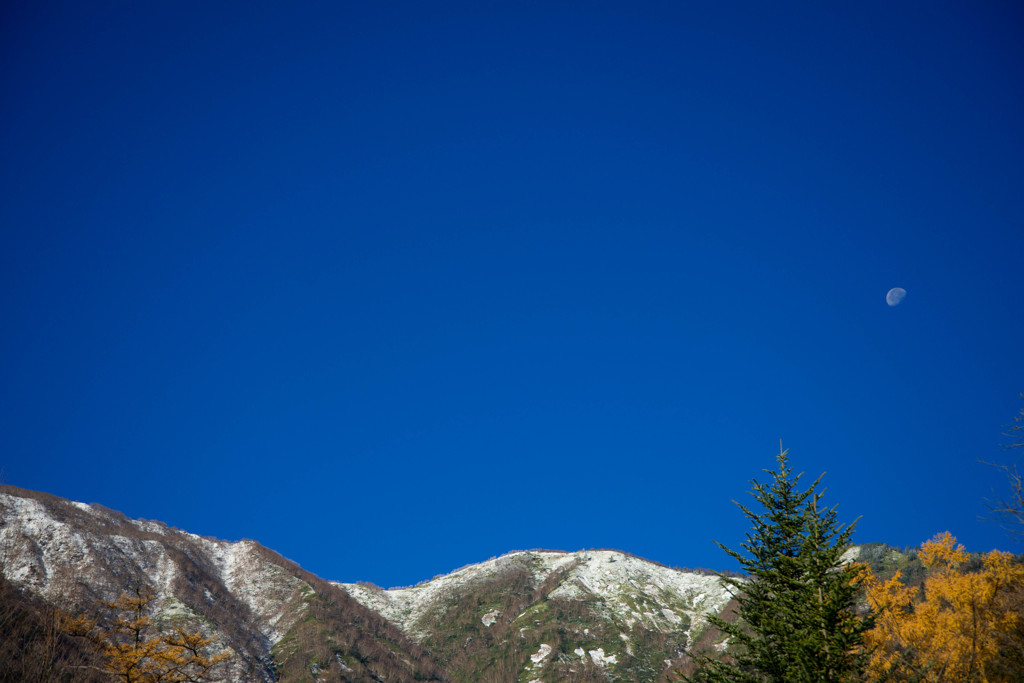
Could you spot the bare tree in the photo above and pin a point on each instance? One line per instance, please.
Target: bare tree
(1008, 509)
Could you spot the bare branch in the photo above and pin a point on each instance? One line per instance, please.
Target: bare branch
(1008, 509)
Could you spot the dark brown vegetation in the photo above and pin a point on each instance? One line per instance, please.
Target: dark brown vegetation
(339, 639)
(33, 647)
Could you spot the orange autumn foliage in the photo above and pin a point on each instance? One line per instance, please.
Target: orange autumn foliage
(959, 626)
(131, 650)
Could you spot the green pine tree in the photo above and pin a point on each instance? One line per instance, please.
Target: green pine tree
(796, 622)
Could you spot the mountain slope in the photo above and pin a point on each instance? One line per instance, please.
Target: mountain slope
(525, 616)
(278, 621)
(544, 615)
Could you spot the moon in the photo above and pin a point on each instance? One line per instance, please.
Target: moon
(895, 295)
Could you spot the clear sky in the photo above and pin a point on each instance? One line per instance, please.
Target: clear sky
(394, 288)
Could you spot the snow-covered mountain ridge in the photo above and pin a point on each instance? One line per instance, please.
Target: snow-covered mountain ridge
(636, 591)
(524, 616)
(38, 550)
(587, 615)
(254, 602)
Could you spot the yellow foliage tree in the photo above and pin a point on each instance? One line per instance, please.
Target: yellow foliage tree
(963, 628)
(133, 652)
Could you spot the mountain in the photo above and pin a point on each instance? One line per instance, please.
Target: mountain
(279, 621)
(526, 616)
(546, 615)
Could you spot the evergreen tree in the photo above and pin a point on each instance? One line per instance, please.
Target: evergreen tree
(796, 622)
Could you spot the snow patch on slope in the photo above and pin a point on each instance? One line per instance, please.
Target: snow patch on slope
(48, 555)
(541, 654)
(634, 590)
(405, 606)
(637, 590)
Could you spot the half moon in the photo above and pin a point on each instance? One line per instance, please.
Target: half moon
(895, 295)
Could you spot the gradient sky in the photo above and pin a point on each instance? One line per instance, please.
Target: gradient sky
(394, 288)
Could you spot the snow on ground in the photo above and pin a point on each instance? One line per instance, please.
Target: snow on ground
(264, 587)
(633, 590)
(629, 645)
(84, 507)
(852, 554)
(40, 551)
(150, 527)
(541, 654)
(405, 606)
(623, 581)
(600, 658)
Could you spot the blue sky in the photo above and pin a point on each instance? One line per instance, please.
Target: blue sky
(393, 288)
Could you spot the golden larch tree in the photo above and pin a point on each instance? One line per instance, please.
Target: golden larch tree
(134, 651)
(959, 626)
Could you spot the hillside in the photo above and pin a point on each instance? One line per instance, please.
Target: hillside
(525, 616)
(546, 615)
(278, 621)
